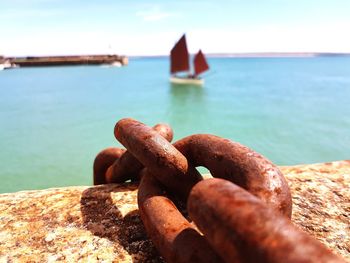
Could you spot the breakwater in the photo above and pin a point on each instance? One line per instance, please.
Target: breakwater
(115, 60)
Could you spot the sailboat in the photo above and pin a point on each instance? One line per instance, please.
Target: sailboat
(180, 62)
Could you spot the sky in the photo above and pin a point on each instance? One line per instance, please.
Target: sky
(66, 27)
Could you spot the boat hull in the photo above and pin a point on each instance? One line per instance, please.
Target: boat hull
(187, 81)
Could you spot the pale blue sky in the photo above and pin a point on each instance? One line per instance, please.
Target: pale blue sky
(43, 27)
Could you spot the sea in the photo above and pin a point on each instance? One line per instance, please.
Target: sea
(54, 120)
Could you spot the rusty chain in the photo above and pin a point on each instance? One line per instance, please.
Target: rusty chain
(241, 215)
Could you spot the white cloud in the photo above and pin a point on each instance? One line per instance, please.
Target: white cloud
(274, 38)
(313, 38)
(154, 14)
(29, 13)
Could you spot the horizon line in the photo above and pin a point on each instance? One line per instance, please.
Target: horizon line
(258, 54)
(212, 54)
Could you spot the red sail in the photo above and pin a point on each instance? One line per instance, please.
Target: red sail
(200, 63)
(179, 56)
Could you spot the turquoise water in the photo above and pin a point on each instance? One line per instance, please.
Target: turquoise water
(53, 121)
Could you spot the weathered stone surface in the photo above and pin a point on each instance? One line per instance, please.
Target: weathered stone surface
(321, 202)
(101, 224)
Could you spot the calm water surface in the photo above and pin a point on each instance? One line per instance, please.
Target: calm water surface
(53, 121)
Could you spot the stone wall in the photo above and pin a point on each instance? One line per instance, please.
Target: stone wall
(101, 224)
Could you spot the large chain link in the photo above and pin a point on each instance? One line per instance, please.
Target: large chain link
(242, 215)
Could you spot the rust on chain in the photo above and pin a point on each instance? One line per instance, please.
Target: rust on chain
(240, 165)
(103, 160)
(127, 167)
(175, 238)
(242, 228)
(159, 156)
(164, 130)
(242, 217)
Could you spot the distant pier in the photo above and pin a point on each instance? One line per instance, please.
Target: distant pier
(114, 60)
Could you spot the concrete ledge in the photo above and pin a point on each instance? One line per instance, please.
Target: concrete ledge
(93, 224)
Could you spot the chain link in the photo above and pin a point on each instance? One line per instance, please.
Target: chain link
(242, 215)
